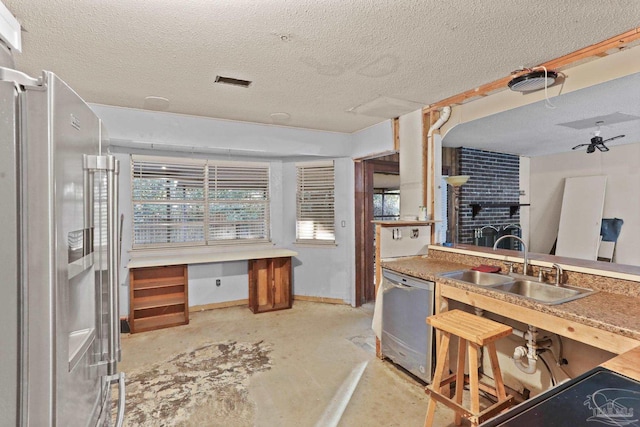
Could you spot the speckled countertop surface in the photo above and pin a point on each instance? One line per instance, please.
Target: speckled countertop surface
(619, 314)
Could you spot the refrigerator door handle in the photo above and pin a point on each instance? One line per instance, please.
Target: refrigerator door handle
(119, 378)
(20, 78)
(112, 168)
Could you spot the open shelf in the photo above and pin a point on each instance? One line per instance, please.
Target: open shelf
(513, 207)
(162, 282)
(158, 297)
(143, 303)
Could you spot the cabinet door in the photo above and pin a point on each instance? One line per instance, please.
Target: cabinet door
(281, 270)
(269, 284)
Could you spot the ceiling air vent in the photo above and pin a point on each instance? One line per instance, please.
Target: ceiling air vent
(232, 81)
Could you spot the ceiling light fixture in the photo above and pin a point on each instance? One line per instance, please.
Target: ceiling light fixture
(157, 103)
(533, 80)
(280, 117)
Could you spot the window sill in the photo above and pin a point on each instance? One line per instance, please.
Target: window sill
(167, 258)
(196, 250)
(317, 244)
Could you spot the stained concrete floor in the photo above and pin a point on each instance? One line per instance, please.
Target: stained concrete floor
(321, 371)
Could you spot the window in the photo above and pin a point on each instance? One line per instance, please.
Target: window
(192, 202)
(238, 202)
(315, 216)
(386, 205)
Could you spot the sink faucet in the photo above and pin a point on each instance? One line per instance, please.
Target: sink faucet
(525, 266)
(558, 274)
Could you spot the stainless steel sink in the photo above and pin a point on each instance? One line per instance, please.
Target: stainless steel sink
(521, 286)
(543, 292)
(478, 277)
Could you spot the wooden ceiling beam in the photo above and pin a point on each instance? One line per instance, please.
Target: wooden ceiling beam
(595, 50)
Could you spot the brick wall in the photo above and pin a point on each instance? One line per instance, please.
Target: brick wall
(494, 179)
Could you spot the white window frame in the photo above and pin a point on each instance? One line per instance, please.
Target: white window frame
(200, 224)
(315, 202)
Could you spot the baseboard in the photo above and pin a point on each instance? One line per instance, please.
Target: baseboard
(215, 305)
(320, 299)
(236, 303)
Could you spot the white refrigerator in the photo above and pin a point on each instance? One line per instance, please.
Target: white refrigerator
(58, 259)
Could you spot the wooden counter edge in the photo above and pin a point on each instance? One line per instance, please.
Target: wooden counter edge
(590, 335)
(627, 364)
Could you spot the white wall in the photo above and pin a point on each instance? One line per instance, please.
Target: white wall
(324, 270)
(376, 139)
(233, 278)
(439, 202)
(133, 127)
(525, 211)
(411, 160)
(621, 165)
(327, 272)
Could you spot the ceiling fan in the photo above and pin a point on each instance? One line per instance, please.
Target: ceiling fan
(597, 141)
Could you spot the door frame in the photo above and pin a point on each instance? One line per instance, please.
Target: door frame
(365, 250)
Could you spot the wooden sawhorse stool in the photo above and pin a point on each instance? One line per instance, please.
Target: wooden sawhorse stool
(475, 331)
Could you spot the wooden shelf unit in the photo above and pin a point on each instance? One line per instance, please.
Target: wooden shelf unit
(158, 297)
(270, 284)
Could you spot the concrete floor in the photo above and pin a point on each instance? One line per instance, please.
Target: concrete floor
(319, 369)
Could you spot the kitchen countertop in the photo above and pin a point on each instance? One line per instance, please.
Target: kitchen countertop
(615, 313)
(403, 222)
(607, 269)
(159, 259)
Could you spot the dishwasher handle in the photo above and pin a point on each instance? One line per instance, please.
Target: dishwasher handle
(406, 282)
(398, 285)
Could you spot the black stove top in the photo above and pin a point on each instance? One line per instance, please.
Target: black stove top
(597, 398)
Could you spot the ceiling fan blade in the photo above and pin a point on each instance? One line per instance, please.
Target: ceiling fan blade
(615, 137)
(579, 145)
(602, 147)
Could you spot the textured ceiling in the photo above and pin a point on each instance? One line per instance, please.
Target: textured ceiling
(316, 60)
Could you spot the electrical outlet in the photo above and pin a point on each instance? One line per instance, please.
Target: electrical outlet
(218, 282)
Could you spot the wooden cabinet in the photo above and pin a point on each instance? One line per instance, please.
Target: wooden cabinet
(158, 297)
(270, 284)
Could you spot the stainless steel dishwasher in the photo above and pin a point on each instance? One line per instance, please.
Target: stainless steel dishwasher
(406, 339)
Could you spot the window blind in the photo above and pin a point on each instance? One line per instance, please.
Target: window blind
(168, 201)
(197, 202)
(315, 207)
(238, 202)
